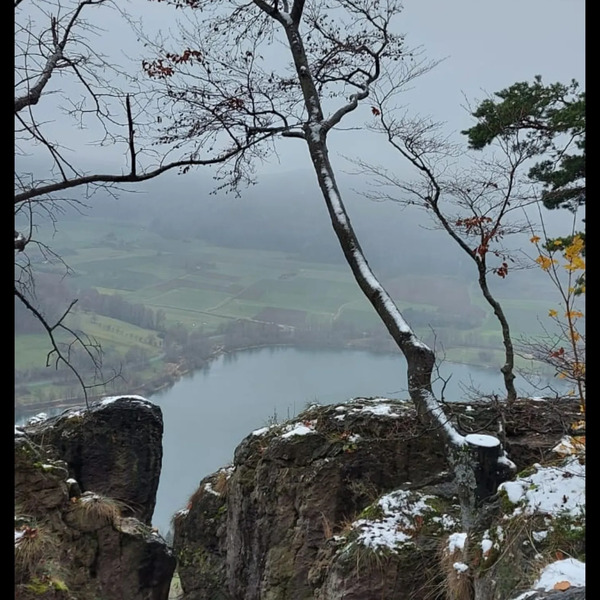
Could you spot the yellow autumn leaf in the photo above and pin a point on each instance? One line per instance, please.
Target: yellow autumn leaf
(576, 245)
(552, 313)
(578, 369)
(574, 249)
(545, 262)
(573, 314)
(562, 375)
(535, 239)
(580, 446)
(562, 585)
(575, 264)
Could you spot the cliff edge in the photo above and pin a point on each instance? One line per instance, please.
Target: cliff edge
(85, 491)
(355, 502)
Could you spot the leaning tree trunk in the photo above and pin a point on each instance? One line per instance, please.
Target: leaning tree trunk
(508, 367)
(419, 357)
(471, 473)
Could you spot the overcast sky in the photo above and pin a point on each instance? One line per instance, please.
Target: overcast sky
(489, 45)
(485, 46)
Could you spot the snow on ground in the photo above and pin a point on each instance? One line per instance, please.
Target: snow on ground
(553, 491)
(456, 541)
(557, 575)
(382, 407)
(111, 399)
(556, 490)
(289, 430)
(569, 569)
(262, 430)
(39, 418)
(300, 429)
(384, 410)
(400, 511)
(549, 490)
(209, 488)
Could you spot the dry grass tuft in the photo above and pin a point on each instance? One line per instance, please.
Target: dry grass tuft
(195, 497)
(92, 511)
(33, 543)
(327, 528)
(458, 584)
(219, 484)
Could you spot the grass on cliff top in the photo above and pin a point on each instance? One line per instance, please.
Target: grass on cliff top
(547, 505)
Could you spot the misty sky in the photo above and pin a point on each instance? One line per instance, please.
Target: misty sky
(484, 46)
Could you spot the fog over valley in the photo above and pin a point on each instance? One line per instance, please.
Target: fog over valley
(299, 299)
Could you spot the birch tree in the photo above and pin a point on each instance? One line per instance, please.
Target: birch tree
(223, 83)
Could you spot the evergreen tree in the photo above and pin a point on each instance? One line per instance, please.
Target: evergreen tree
(549, 120)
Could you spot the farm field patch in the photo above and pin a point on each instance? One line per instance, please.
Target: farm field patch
(195, 299)
(202, 285)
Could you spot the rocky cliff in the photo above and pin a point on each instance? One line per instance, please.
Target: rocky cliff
(354, 502)
(85, 491)
(346, 502)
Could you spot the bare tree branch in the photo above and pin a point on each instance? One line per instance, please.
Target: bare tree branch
(56, 355)
(56, 57)
(131, 177)
(56, 52)
(471, 205)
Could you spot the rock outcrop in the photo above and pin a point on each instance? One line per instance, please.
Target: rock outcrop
(346, 502)
(85, 491)
(113, 449)
(355, 502)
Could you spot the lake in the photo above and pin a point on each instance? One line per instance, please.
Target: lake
(208, 413)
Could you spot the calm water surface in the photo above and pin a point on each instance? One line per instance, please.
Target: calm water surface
(208, 413)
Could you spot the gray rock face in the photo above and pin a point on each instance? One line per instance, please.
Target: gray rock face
(114, 449)
(285, 520)
(289, 492)
(85, 545)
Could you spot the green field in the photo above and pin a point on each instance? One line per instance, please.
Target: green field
(202, 285)
(31, 349)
